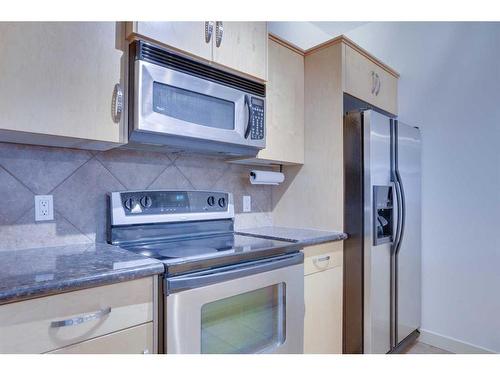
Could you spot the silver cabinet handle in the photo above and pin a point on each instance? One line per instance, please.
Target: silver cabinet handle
(117, 103)
(375, 83)
(209, 28)
(219, 33)
(378, 84)
(321, 259)
(81, 319)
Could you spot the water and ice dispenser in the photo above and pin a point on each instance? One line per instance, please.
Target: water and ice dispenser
(382, 214)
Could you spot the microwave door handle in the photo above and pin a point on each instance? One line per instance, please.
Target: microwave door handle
(250, 116)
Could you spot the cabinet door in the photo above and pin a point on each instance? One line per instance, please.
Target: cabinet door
(243, 47)
(135, 340)
(370, 82)
(284, 106)
(57, 79)
(323, 318)
(185, 36)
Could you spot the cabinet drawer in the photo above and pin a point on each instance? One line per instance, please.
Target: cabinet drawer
(322, 257)
(369, 82)
(135, 340)
(95, 312)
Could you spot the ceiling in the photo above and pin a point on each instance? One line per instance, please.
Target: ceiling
(306, 35)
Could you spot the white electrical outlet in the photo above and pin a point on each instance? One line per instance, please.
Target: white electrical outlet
(44, 208)
(247, 203)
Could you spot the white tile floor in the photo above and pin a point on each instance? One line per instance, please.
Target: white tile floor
(421, 348)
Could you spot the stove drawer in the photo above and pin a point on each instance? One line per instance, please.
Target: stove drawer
(48, 323)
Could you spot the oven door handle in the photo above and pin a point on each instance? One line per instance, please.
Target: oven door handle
(203, 278)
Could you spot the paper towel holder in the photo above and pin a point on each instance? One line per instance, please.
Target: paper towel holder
(258, 177)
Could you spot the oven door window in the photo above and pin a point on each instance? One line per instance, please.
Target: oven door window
(193, 107)
(251, 322)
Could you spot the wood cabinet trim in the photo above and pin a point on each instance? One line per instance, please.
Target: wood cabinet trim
(356, 47)
(286, 44)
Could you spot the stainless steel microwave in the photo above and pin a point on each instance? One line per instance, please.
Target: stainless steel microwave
(176, 102)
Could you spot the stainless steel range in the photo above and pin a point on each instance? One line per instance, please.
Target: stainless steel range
(223, 292)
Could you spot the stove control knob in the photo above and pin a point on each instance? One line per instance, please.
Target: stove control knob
(146, 201)
(211, 200)
(222, 202)
(129, 203)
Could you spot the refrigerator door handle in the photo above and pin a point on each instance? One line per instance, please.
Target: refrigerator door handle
(393, 262)
(400, 187)
(397, 227)
(403, 211)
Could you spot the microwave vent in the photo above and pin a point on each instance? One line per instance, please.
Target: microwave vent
(160, 56)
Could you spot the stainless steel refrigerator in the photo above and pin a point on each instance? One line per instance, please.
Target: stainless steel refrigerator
(382, 257)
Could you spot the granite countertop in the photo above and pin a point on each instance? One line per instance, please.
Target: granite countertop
(304, 236)
(36, 272)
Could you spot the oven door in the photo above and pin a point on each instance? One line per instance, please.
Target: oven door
(256, 308)
(169, 102)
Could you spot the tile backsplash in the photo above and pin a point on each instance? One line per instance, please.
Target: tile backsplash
(79, 181)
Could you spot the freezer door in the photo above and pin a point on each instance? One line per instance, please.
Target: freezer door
(377, 255)
(408, 258)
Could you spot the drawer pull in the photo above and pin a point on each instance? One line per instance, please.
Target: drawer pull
(321, 259)
(81, 319)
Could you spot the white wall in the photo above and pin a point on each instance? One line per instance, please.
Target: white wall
(450, 88)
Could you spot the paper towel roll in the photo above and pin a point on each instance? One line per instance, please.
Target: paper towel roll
(266, 177)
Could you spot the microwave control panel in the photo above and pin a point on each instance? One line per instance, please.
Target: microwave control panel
(257, 130)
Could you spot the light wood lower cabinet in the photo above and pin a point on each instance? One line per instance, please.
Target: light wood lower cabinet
(323, 299)
(135, 340)
(48, 323)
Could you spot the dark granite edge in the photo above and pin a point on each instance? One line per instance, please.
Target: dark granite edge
(57, 287)
(340, 236)
(276, 238)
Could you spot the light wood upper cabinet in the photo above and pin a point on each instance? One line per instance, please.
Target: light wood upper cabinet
(185, 36)
(369, 81)
(243, 47)
(284, 107)
(57, 81)
(323, 299)
(239, 46)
